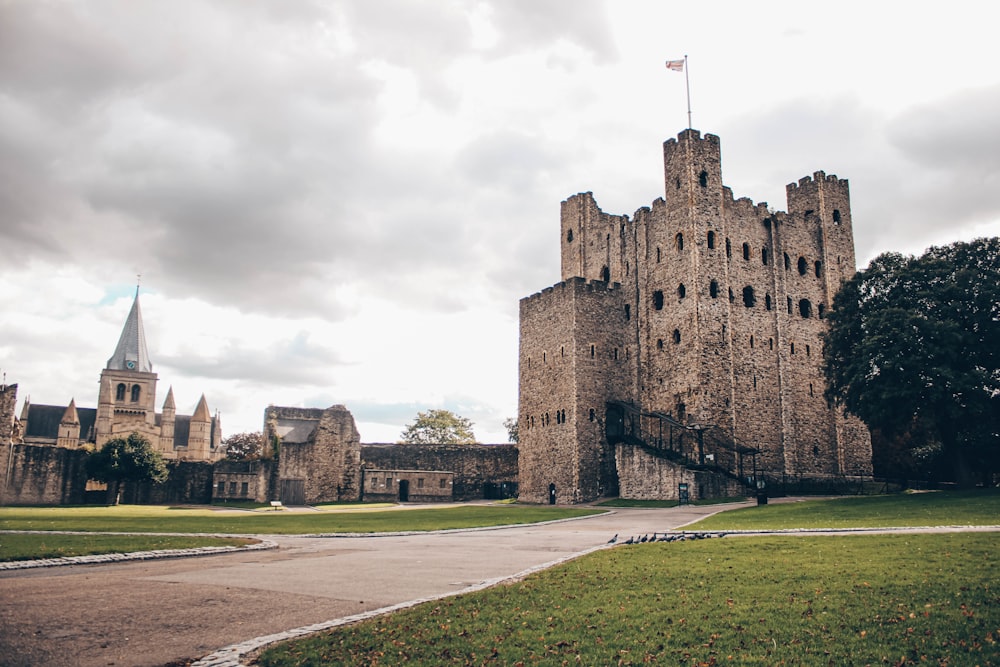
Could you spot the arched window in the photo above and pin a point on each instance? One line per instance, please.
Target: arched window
(703, 179)
(120, 392)
(628, 312)
(711, 240)
(767, 301)
(729, 249)
(659, 343)
(746, 251)
(788, 262)
(135, 393)
(680, 241)
(819, 268)
(749, 300)
(805, 308)
(820, 310)
(713, 289)
(763, 256)
(802, 266)
(677, 335)
(658, 300)
(569, 236)
(836, 216)
(606, 274)
(681, 291)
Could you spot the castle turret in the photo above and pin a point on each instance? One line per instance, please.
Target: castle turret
(167, 421)
(199, 442)
(69, 427)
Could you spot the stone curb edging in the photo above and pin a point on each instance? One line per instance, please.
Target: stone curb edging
(231, 656)
(97, 559)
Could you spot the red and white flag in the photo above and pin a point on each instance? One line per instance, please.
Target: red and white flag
(675, 65)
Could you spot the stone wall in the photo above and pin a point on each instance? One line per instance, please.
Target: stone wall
(473, 466)
(415, 486)
(189, 483)
(44, 476)
(242, 480)
(644, 476)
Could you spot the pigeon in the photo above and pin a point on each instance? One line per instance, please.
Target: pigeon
(613, 539)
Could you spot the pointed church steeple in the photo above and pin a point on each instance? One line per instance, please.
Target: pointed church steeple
(131, 353)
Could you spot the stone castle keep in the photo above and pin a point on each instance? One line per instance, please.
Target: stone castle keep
(680, 355)
(683, 345)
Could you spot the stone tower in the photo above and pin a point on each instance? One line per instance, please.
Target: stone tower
(700, 311)
(127, 395)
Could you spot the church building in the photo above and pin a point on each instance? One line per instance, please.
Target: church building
(126, 403)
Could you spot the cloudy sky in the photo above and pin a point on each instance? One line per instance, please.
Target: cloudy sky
(342, 202)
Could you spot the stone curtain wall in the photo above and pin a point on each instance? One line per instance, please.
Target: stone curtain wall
(190, 483)
(472, 466)
(647, 477)
(45, 476)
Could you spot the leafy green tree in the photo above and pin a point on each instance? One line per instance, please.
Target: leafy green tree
(244, 446)
(913, 349)
(130, 459)
(511, 425)
(438, 427)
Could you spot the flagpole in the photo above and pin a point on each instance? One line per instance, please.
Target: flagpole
(687, 84)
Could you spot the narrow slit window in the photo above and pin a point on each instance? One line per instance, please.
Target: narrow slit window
(677, 336)
(711, 240)
(713, 289)
(746, 251)
(658, 300)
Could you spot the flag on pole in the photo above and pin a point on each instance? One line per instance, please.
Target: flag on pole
(675, 65)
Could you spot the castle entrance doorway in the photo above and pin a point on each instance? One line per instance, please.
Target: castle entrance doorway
(552, 494)
(292, 491)
(404, 490)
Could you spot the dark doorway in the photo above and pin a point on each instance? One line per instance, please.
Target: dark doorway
(552, 494)
(293, 491)
(404, 490)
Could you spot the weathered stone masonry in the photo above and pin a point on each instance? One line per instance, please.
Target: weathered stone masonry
(702, 307)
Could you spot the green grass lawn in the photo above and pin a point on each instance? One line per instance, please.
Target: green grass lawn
(850, 600)
(979, 507)
(29, 546)
(159, 519)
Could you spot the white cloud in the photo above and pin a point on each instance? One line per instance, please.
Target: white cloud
(343, 203)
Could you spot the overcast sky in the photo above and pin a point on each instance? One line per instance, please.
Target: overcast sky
(343, 202)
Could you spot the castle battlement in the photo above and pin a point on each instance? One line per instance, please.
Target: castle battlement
(574, 283)
(817, 177)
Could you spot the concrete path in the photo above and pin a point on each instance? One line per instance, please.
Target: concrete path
(172, 612)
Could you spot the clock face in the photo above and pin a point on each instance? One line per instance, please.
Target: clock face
(130, 365)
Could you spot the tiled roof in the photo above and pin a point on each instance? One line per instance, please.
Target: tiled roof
(131, 353)
(43, 421)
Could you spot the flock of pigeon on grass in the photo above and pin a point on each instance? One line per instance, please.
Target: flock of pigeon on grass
(666, 537)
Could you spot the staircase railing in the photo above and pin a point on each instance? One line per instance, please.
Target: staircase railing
(695, 446)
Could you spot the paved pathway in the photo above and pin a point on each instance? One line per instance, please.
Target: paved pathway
(173, 611)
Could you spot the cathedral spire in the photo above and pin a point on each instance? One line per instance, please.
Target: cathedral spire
(131, 353)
